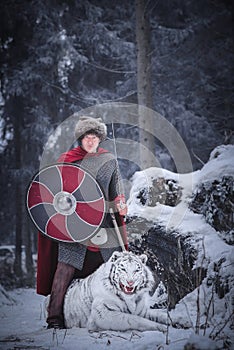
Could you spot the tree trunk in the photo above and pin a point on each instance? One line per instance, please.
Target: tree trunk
(30, 278)
(18, 192)
(144, 84)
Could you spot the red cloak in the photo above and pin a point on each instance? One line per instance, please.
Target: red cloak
(47, 256)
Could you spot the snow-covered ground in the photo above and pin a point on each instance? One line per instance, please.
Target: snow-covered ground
(23, 323)
(23, 327)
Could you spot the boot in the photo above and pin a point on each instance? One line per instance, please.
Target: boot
(62, 278)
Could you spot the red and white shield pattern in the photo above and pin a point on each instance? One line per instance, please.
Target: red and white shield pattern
(66, 203)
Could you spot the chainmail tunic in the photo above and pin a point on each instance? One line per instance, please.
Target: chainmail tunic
(105, 170)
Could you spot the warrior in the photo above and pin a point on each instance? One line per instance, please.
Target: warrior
(60, 262)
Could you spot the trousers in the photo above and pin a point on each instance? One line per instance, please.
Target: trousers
(64, 274)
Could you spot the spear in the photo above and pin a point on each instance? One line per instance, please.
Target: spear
(120, 203)
(117, 230)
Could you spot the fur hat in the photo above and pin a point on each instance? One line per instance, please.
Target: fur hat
(95, 125)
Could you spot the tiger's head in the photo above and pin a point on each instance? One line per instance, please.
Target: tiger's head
(129, 273)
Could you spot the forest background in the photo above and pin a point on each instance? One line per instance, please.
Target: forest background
(59, 57)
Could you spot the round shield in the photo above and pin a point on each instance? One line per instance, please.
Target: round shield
(66, 203)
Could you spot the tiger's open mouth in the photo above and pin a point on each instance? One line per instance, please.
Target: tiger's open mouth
(127, 289)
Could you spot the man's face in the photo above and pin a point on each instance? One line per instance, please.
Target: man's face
(90, 143)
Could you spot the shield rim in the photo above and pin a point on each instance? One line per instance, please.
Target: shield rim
(99, 187)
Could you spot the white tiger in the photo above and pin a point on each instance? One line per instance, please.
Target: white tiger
(115, 297)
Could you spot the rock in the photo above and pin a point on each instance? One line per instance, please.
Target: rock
(215, 200)
(164, 191)
(170, 256)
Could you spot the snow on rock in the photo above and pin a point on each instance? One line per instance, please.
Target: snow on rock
(180, 216)
(210, 304)
(170, 216)
(221, 162)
